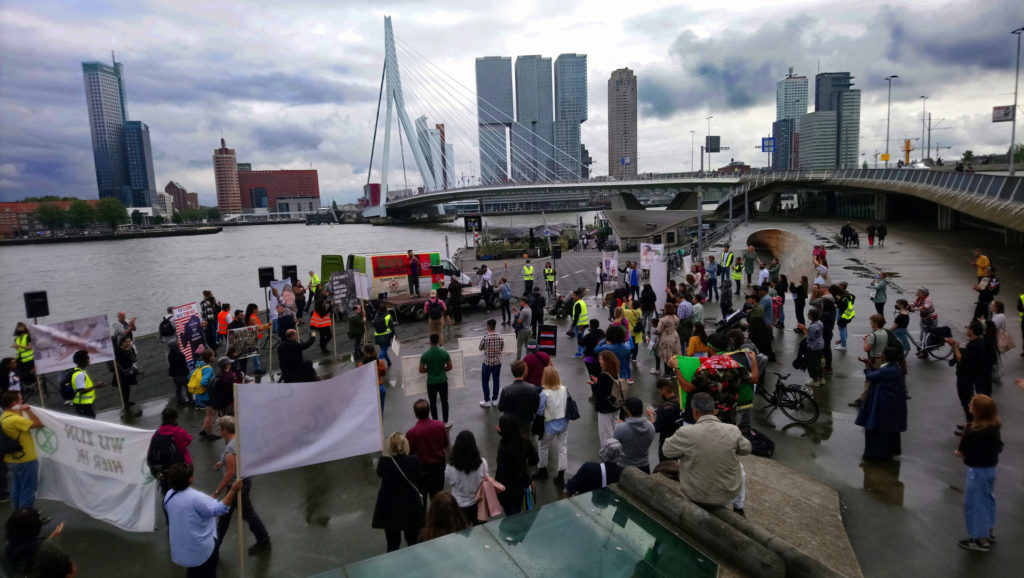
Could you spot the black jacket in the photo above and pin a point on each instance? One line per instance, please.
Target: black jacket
(399, 506)
(520, 399)
(290, 355)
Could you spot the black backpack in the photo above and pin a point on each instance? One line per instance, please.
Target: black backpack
(435, 309)
(380, 324)
(67, 390)
(760, 444)
(10, 446)
(163, 453)
(800, 361)
(166, 328)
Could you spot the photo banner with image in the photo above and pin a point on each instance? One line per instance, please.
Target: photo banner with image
(245, 340)
(415, 383)
(285, 296)
(610, 261)
(328, 420)
(649, 253)
(97, 467)
(56, 343)
(188, 326)
(659, 278)
(343, 292)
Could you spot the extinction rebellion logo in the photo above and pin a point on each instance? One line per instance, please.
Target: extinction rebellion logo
(46, 440)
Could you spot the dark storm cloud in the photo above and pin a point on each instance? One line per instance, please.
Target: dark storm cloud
(279, 137)
(735, 69)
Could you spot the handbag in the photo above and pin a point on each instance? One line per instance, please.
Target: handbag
(572, 411)
(487, 504)
(414, 486)
(530, 497)
(538, 426)
(1004, 342)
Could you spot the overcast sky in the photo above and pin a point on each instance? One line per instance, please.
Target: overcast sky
(294, 84)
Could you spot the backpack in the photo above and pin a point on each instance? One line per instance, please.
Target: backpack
(380, 323)
(800, 361)
(199, 379)
(760, 444)
(891, 339)
(435, 309)
(166, 328)
(620, 387)
(67, 389)
(505, 292)
(163, 453)
(10, 446)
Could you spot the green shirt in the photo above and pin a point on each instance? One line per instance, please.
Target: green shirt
(879, 288)
(436, 359)
(749, 260)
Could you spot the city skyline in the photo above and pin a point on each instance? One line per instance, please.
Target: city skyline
(695, 62)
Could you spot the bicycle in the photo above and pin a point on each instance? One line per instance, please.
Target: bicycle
(935, 343)
(796, 403)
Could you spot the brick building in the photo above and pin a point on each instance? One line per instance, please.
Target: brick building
(261, 190)
(20, 218)
(179, 194)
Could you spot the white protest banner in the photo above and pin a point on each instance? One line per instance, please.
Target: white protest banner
(56, 343)
(362, 286)
(188, 326)
(649, 253)
(245, 340)
(610, 260)
(659, 281)
(96, 467)
(327, 420)
(415, 383)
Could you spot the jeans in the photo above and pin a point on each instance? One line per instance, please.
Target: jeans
(842, 335)
(712, 289)
(980, 502)
(384, 342)
(491, 373)
(414, 285)
(579, 329)
(904, 338)
(383, 393)
(634, 291)
(249, 515)
(506, 310)
(560, 441)
(433, 390)
(357, 346)
(24, 483)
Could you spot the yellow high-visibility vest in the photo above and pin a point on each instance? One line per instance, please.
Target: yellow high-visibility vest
(527, 272)
(737, 272)
(387, 326)
(549, 274)
(24, 355)
(83, 398)
(583, 312)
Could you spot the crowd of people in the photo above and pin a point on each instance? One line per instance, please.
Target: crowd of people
(431, 487)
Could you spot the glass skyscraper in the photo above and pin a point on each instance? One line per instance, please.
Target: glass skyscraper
(570, 113)
(533, 138)
(104, 93)
(139, 154)
(494, 116)
(832, 92)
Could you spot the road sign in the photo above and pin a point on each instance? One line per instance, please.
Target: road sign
(885, 157)
(712, 144)
(768, 144)
(472, 222)
(1002, 113)
(547, 233)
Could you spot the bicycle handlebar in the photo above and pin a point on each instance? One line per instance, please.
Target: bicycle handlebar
(781, 376)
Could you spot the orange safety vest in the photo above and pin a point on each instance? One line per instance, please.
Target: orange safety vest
(320, 321)
(223, 319)
(254, 320)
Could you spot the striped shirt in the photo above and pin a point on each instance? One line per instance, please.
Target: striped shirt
(492, 345)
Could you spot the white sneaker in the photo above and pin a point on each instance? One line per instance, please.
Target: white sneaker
(653, 371)
(449, 425)
(494, 403)
(811, 382)
(485, 404)
(839, 348)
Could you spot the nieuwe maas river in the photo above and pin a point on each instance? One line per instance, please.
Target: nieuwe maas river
(143, 277)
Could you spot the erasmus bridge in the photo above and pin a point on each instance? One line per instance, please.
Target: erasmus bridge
(996, 201)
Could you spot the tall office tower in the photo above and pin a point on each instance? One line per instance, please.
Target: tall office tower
(104, 93)
(784, 157)
(585, 161)
(622, 124)
(225, 172)
(444, 181)
(818, 140)
(791, 98)
(532, 140)
(832, 92)
(494, 116)
(139, 154)
(570, 113)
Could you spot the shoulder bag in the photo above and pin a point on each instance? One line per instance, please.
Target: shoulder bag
(572, 411)
(412, 485)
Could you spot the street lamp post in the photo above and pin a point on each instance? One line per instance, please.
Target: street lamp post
(924, 102)
(1016, 82)
(691, 150)
(707, 144)
(888, 113)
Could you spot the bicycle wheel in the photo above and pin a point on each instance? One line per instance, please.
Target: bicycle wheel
(942, 351)
(798, 405)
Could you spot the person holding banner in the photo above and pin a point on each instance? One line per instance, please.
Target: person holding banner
(191, 528)
(16, 421)
(227, 464)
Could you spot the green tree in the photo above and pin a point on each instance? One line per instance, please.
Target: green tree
(50, 216)
(177, 219)
(80, 214)
(334, 205)
(1018, 153)
(110, 212)
(159, 220)
(865, 164)
(212, 213)
(138, 218)
(968, 156)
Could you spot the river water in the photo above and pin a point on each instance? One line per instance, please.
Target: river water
(142, 277)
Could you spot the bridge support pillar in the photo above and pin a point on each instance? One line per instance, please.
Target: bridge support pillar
(947, 219)
(1013, 238)
(881, 206)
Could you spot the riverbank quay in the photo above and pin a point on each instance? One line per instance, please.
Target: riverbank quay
(902, 518)
(116, 236)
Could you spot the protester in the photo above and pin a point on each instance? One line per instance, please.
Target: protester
(875, 343)
(635, 434)
(465, 474)
(289, 354)
(455, 300)
(428, 441)
(206, 378)
(191, 524)
(321, 322)
(513, 453)
(580, 321)
(27, 553)
(634, 321)
(399, 509)
(521, 399)
(222, 394)
(252, 318)
(121, 329)
(973, 369)
(224, 319)
(210, 307)
(522, 325)
(414, 276)
(698, 342)
(591, 339)
(669, 345)
(883, 414)
(980, 446)
(599, 282)
(987, 290)
(710, 471)
(536, 362)
(435, 311)
(10, 379)
(815, 338)
(929, 317)
(492, 344)
(878, 287)
(537, 305)
(227, 465)
(124, 356)
(26, 355)
(370, 358)
(356, 329)
(601, 387)
(900, 324)
(505, 300)
(436, 363)
(595, 475)
(981, 263)
(553, 402)
(616, 341)
(16, 421)
(487, 287)
(85, 389)
(177, 435)
(444, 517)
(383, 331)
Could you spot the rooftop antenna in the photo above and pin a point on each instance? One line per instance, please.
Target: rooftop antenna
(114, 60)
(819, 66)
